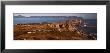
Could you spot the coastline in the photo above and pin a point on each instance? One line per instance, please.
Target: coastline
(50, 31)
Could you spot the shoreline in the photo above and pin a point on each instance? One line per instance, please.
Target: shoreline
(49, 34)
(51, 31)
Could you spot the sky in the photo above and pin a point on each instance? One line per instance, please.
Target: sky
(83, 15)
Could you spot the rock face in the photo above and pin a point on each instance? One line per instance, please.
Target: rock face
(68, 25)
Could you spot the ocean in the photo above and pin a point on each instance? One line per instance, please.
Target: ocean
(36, 20)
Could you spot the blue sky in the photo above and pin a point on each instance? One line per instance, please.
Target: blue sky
(83, 15)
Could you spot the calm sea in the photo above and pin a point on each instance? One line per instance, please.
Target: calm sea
(36, 20)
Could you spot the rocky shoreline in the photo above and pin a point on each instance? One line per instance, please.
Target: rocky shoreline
(51, 31)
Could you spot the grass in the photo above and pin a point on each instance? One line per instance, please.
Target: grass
(51, 35)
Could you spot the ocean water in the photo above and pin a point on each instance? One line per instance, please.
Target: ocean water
(89, 29)
(36, 20)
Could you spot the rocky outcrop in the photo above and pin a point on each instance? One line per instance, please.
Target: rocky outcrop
(68, 25)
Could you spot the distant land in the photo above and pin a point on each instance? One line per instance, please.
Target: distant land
(20, 16)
